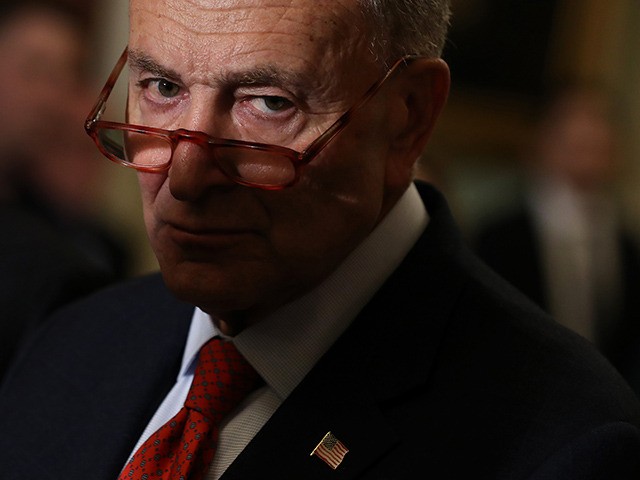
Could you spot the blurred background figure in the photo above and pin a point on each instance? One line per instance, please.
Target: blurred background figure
(563, 244)
(47, 163)
(52, 248)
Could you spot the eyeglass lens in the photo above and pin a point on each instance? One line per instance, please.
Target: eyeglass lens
(245, 164)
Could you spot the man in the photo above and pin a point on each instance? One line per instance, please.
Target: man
(43, 152)
(41, 264)
(386, 350)
(583, 265)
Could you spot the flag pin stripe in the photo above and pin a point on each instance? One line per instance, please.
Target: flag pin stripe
(330, 450)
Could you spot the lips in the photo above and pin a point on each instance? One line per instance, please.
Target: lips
(207, 239)
(196, 232)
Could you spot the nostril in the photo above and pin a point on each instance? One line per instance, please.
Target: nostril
(194, 172)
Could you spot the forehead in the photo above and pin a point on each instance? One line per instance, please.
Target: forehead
(209, 35)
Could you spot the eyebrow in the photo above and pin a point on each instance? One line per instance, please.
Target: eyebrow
(266, 75)
(259, 76)
(143, 62)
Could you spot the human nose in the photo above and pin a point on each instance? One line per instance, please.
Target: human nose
(194, 170)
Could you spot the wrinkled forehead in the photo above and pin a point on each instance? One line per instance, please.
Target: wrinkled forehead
(315, 34)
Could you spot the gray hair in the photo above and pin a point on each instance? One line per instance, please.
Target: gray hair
(407, 27)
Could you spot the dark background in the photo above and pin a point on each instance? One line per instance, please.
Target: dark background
(501, 45)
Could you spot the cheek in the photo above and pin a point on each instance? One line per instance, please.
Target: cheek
(150, 186)
(312, 240)
(350, 173)
(150, 183)
(317, 223)
(341, 193)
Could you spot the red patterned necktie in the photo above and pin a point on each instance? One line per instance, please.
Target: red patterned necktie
(183, 448)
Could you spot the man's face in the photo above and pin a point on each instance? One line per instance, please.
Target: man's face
(41, 63)
(274, 71)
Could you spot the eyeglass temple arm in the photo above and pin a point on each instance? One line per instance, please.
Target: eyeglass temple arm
(98, 108)
(340, 124)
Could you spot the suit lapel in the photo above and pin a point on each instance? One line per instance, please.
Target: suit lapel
(323, 402)
(387, 351)
(140, 331)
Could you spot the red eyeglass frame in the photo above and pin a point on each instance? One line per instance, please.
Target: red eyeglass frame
(298, 159)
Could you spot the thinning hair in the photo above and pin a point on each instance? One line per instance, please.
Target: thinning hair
(407, 27)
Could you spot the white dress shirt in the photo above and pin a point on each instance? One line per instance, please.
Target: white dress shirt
(284, 346)
(580, 254)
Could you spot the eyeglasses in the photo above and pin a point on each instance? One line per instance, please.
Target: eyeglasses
(260, 165)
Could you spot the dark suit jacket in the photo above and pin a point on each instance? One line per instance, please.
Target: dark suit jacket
(447, 373)
(511, 247)
(39, 271)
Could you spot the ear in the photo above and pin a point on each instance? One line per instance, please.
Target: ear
(420, 95)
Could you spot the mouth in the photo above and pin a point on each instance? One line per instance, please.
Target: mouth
(206, 239)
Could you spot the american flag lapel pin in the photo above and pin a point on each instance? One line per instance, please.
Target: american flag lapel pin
(330, 450)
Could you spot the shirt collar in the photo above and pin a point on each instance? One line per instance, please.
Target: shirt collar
(201, 330)
(284, 346)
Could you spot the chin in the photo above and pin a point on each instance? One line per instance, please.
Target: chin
(217, 293)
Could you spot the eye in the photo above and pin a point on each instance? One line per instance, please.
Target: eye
(167, 89)
(271, 104)
(159, 88)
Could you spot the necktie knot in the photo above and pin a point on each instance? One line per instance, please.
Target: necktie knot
(183, 448)
(222, 378)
